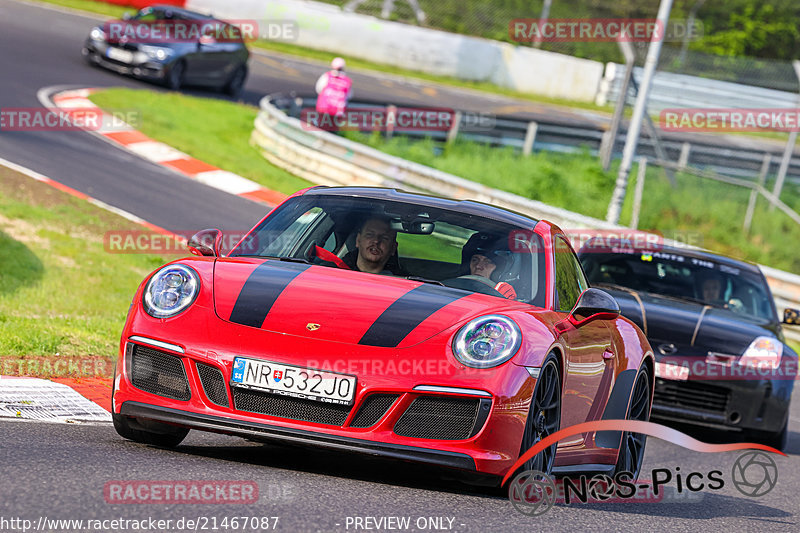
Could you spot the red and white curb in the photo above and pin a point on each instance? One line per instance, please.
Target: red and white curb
(118, 132)
(40, 399)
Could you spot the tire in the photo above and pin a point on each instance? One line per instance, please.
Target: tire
(236, 82)
(163, 435)
(631, 449)
(778, 440)
(544, 416)
(175, 76)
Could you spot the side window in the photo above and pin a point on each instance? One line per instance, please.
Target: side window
(570, 281)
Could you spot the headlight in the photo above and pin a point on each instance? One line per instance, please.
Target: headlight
(763, 352)
(156, 52)
(171, 290)
(97, 34)
(487, 341)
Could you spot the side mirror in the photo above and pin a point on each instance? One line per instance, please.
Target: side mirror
(592, 305)
(791, 316)
(207, 242)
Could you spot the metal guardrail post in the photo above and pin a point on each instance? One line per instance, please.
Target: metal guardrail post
(784, 168)
(638, 192)
(453, 132)
(683, 160)
(610, 137)
(391, 120)
(751, 204)
(530, 138)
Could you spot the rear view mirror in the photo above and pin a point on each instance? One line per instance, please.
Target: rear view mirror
(414, 227)
(207, 242)
(791, 316)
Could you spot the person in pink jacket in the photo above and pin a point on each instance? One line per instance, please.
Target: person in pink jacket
(334, 89)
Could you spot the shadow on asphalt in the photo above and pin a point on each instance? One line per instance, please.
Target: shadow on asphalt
(349, 465)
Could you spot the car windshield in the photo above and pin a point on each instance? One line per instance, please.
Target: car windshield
(434, 245)
(700, 280)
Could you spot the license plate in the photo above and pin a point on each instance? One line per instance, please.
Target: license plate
(296, 381)
(671, 371)
(117, 54)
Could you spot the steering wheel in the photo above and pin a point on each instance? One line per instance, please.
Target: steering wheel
(473, 283)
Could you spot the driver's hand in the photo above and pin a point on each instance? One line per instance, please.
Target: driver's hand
(506, 290)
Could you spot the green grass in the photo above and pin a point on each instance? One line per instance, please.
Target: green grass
(91, 6)
(61, 293)
(214, 131)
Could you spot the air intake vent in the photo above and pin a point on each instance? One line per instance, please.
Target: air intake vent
(213, 384)
(439, 417)
(271, 404)
(158, 373)
(372, 409)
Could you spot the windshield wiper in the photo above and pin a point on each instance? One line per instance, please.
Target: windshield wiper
(425, 280)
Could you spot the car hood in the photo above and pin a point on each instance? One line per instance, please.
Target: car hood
(691, 328)
(340, 305)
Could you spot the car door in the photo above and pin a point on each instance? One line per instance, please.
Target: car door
(588, 347)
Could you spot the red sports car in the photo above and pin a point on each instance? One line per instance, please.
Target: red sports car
(380, 321)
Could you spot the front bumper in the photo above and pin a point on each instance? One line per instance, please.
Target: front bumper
(740, 405)
(267, 432)
(489, 446)
(150, 69)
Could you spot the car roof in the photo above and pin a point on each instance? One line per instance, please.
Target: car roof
(468, 207)
(693, 253)
(184, 12)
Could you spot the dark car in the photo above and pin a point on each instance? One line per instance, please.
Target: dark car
(721, 360)
(172, 46)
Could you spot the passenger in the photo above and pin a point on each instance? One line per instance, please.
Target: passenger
(376, 248)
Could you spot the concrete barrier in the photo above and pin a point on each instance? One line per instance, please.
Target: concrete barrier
(327, 27)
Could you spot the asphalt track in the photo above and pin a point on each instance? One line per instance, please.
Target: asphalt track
(59, 471)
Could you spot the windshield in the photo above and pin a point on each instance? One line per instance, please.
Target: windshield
(668, 274)
(392, 238)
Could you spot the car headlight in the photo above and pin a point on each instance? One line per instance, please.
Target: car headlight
(156, 52)
(97, 34)
(171, 290)
(487, 341)
(763, 352)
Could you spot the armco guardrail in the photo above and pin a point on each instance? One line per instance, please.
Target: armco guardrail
(741, 156)
(328, 159)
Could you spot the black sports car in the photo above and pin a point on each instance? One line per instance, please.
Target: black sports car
(721, 360)
(172, 46)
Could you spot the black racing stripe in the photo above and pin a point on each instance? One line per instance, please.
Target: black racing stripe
(261, 289)
(406, 313)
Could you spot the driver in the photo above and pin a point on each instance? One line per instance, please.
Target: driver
(711, 289)
(482, 264)
(376, 245)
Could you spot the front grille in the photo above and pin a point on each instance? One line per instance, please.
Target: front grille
(696, 396)
(373, 408)
(213, 384)
(439, 417)
(158, 373)
(272, 404)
